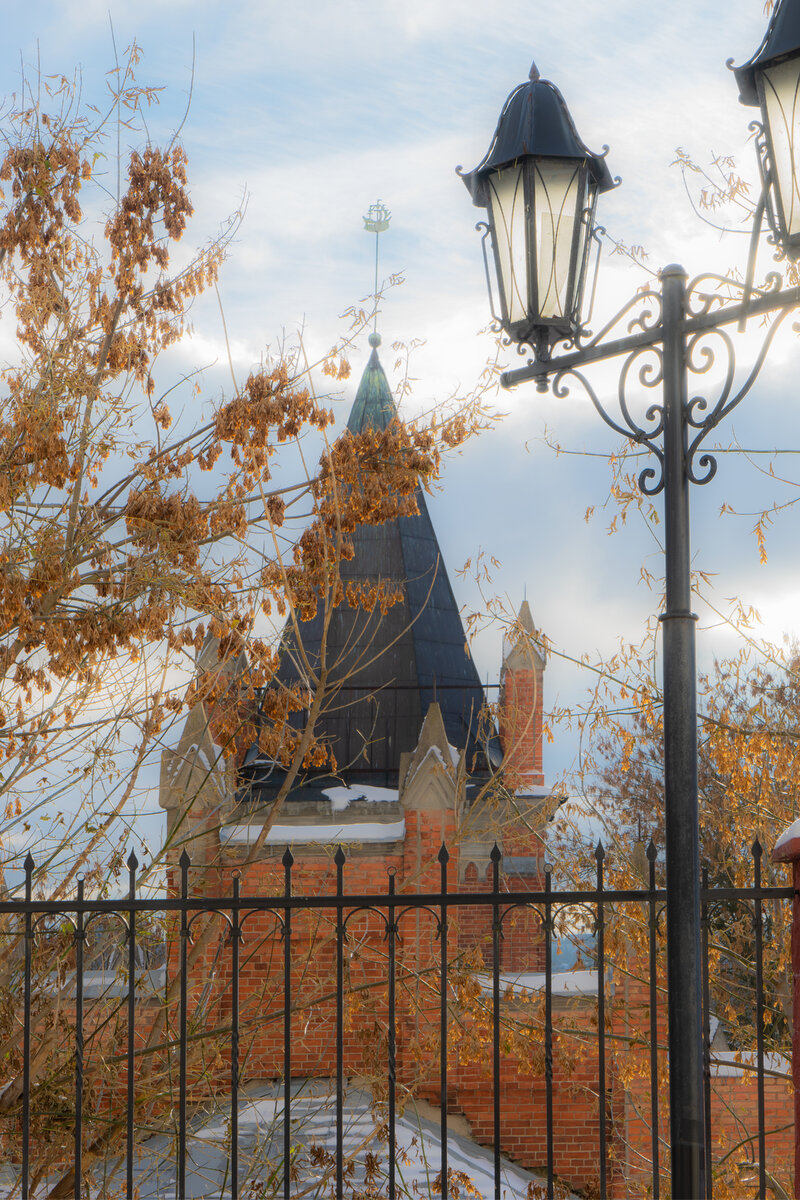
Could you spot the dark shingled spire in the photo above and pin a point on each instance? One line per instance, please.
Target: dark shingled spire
(389, 668)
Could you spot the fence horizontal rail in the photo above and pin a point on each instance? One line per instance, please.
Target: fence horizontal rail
(378, 900)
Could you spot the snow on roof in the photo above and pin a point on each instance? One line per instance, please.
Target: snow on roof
(342, 797)
(435, 753)
(332, 834)
(564, 983)
(313, 1121)
(195, 754)
(736, 1063)
(787, 836)
(537, 792)
(109, 983)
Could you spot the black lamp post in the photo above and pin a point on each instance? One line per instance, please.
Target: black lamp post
(539, 183)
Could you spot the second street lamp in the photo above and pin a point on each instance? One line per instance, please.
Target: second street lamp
(771, 79)
(538, 182)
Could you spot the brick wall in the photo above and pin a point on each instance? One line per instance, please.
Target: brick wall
(469, 943)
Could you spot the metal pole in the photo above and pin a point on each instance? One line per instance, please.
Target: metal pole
(684, 990)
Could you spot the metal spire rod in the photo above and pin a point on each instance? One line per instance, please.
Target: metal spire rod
(377, 221)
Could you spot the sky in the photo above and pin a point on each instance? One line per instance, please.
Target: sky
(310, 112)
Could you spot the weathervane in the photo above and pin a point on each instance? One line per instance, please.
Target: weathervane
(377, 221)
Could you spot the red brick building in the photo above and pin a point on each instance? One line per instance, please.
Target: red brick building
(422, 760)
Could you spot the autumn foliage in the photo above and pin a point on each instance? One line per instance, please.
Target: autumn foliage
(127, 539)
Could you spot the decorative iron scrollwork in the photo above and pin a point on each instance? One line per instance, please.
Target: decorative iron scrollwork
(702, 416)
(644, 311)
(703, 301)
(705, 348)
(497, 324)
(765, 168)
(646, 364)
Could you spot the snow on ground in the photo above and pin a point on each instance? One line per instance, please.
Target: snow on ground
(110, 982)
(313, 1125)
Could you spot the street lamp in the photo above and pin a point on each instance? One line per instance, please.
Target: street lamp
(538, 183)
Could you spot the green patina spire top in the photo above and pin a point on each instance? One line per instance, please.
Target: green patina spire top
(374, 404)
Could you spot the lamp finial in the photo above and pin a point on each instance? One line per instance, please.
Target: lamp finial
(533, 74)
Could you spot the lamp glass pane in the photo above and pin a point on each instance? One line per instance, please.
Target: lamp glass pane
(558, 208)
(781, 92)
(507, 198)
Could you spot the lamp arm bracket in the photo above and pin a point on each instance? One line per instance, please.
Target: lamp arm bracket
(649, 372)
(699, 359)
(705, 339)
(763, 300)
(594, 351)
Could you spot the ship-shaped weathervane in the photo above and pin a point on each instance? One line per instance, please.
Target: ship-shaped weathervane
(376, 221)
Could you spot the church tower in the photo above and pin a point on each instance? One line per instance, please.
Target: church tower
(419, 764)
(388, 668)
(416, 751)
(404, 716)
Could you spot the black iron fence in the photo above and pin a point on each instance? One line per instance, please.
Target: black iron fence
(69, 1125)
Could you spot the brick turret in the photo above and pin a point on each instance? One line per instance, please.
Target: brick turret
(521, 704)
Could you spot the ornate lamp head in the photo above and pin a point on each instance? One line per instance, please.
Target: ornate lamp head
(538, 183)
